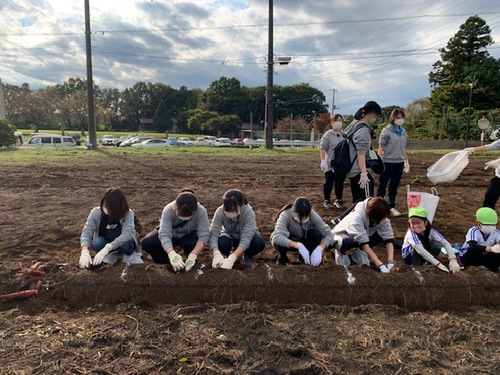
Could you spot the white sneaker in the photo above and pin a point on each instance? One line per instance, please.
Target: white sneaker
(110, 258)
(134, 258)
(395, 212)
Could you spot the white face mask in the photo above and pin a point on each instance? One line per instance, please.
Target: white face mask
(105, 210)
(185, 218)
(337, 125)
(399, 121)
(487, 229)
(231, 215)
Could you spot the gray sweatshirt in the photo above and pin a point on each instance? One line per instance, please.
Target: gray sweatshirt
(243, 228)
(328, 142)
(362, 139)
(493, 146)
(356, 225)
(288, 229)
(171, 226)
(91, 229)
(393, 144)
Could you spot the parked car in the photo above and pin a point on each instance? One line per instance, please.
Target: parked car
(108, 140)
(201, 142)
(49, 140)
(223, 142)
(173, 141)
(210, 140)
(237, 142)
(153, 142)
(131, 141)
(77, 137)
(124, 138)
(184, 141)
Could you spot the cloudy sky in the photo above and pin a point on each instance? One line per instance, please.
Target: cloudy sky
(377, 50)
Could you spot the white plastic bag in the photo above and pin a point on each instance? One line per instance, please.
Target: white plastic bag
(426, 200)
(448, 168)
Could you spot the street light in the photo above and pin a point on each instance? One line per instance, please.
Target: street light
(483, 124)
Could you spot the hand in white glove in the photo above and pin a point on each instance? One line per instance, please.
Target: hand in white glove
(454, 266)
(304, 253)
(442, 267)
(469, 150)
(217, 260)
(496, 248)
(406, 169)
(101, 254)
(492, 164)
(324, 165)
(191, 261)
(383, 268)
(317, 256)
(175, 261)
(363, 180)
(228, 262)
(390, 265)
(85, 259)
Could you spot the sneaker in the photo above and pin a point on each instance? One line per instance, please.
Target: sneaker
(282, 261)
(395, 212)
(360, 257)
(335, 221)
(110, 258)
(339, 204)
(328, 204)
(342, 259)
(134, 258)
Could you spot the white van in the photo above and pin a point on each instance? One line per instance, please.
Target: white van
(49, 140)
(210, 139)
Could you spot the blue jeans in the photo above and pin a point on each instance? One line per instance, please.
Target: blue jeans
(127, 248)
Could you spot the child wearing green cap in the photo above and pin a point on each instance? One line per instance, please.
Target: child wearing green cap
(422, 243)
(482, 242)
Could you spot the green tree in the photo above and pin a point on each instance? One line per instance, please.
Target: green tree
(228, 125)
(162, 120)
(225, 96)
(196, 120)
(7, 138)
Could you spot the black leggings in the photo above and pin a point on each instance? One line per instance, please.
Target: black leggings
(492, 194)
(151, 244)
(333, 179)
(359, 194)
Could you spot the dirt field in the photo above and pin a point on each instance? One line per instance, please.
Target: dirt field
(265, 320)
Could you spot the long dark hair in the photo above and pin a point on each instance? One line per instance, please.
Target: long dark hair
(301, 205)
(232, 199)
(116, 204)
(369, 107)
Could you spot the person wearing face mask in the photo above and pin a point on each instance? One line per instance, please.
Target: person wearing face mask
(482, 242)
(300, 229)
(392, 150)
(422, 243)
(362, 183)
(329, 140)
(233, 232)
(365, 226)
(184, 223)
(109, 230)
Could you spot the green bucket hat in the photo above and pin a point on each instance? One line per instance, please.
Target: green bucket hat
(418, 211)
(487, 216)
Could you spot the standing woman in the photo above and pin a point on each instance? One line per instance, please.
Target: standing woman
(110, 230)
(392, 150)
(327, 146)
(360, 179)
(299, 228)
(183, 223)
(233, 232)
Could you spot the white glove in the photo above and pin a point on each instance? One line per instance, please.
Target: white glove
(454, 266)
(191, 261)
(493, 164)
(228, 262)
(304, 253)
(442, 267)
(85, 259)
(363, 180)
(101, 254)
(469, 150)
(324, 165)
(496, 248)
(390, 265)
(317, 256)
(406, 169)
(175, 261)
(217, 260)
(383, 268)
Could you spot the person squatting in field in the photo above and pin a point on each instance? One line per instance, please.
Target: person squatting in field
(422, 243)
(183, 223)
(365, 226)
(233, 232)
(299, 228)
(482, 241)
(109, 230)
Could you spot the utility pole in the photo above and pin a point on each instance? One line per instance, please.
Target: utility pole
(333, 100)
(269, 123)
(90, 80)
(468, 114)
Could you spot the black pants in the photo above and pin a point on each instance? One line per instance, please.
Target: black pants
(348, 243)
(492, 194)
(391, 176)
(359, 194)
(333, 179)
(311, 239)
(151, 244)
(227, 243)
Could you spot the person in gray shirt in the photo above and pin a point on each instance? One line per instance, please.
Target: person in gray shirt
(184, 223)
(299, 228)
(233, 232)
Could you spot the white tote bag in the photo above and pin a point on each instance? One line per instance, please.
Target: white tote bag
(429, 201)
